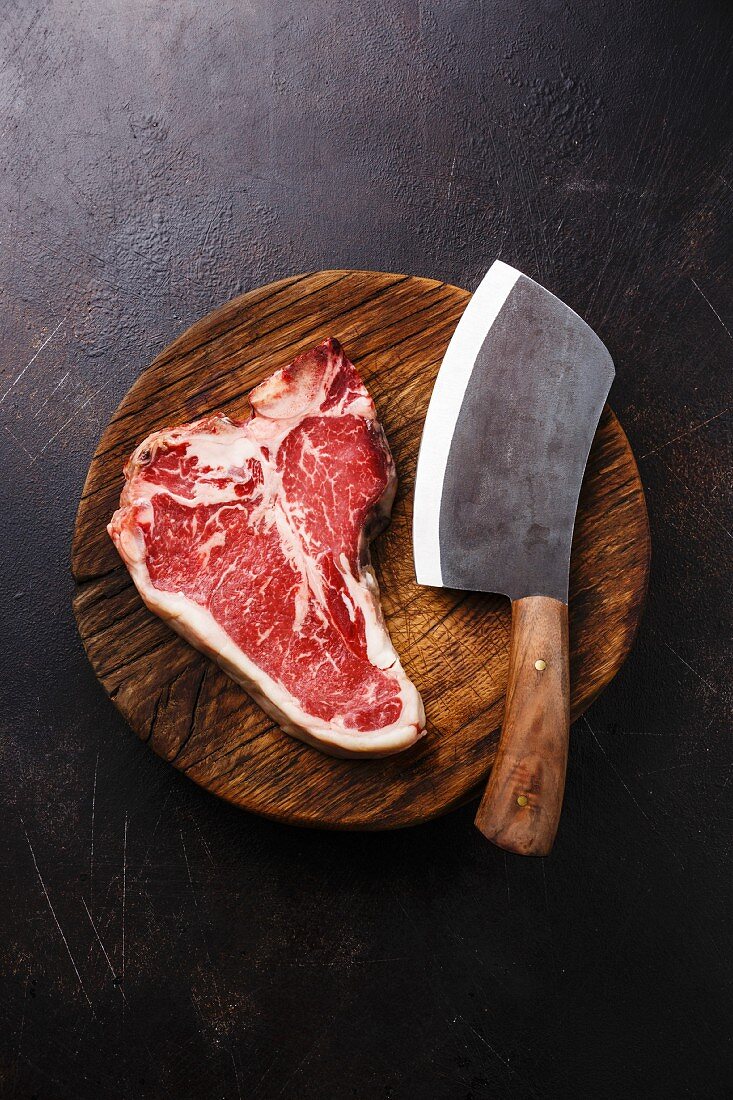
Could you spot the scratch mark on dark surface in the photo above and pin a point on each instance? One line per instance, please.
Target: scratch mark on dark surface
(504, 1061)
(236, 1073)
(117, 985)
(104, 949)
(200, 921)
(31, 361)
(124, 898)
(629, 792)
(724, 786)
(53, 914)
(42, 406)
(451, 179)
(204, 940)
(22, 1028)
(166, 800)
(692, 670)
(91, 842)
(307, 1056)
(683, 435)
(204, 845)
(706, 510)
(15, 439)
(667, 769)
(43, 1072)
(704, 295)
(73, 416)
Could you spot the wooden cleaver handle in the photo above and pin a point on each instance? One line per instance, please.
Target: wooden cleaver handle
(520, 809)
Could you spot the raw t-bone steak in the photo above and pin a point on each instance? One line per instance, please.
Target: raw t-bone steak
(251, 540)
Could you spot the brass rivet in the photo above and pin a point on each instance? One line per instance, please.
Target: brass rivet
(522, 800)
(540, 665)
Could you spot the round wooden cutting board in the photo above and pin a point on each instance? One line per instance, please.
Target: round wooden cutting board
(453, 645)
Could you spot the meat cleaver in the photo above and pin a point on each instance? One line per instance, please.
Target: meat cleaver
(506, 439)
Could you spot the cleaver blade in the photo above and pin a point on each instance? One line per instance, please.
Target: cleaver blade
(506, 439)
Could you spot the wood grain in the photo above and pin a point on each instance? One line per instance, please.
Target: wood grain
(453, 645)
(521, 805)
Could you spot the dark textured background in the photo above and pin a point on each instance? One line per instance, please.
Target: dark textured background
(159, 157)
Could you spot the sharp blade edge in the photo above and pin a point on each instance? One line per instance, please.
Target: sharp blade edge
(443, 412)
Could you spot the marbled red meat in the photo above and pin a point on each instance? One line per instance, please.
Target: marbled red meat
(251, 540)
